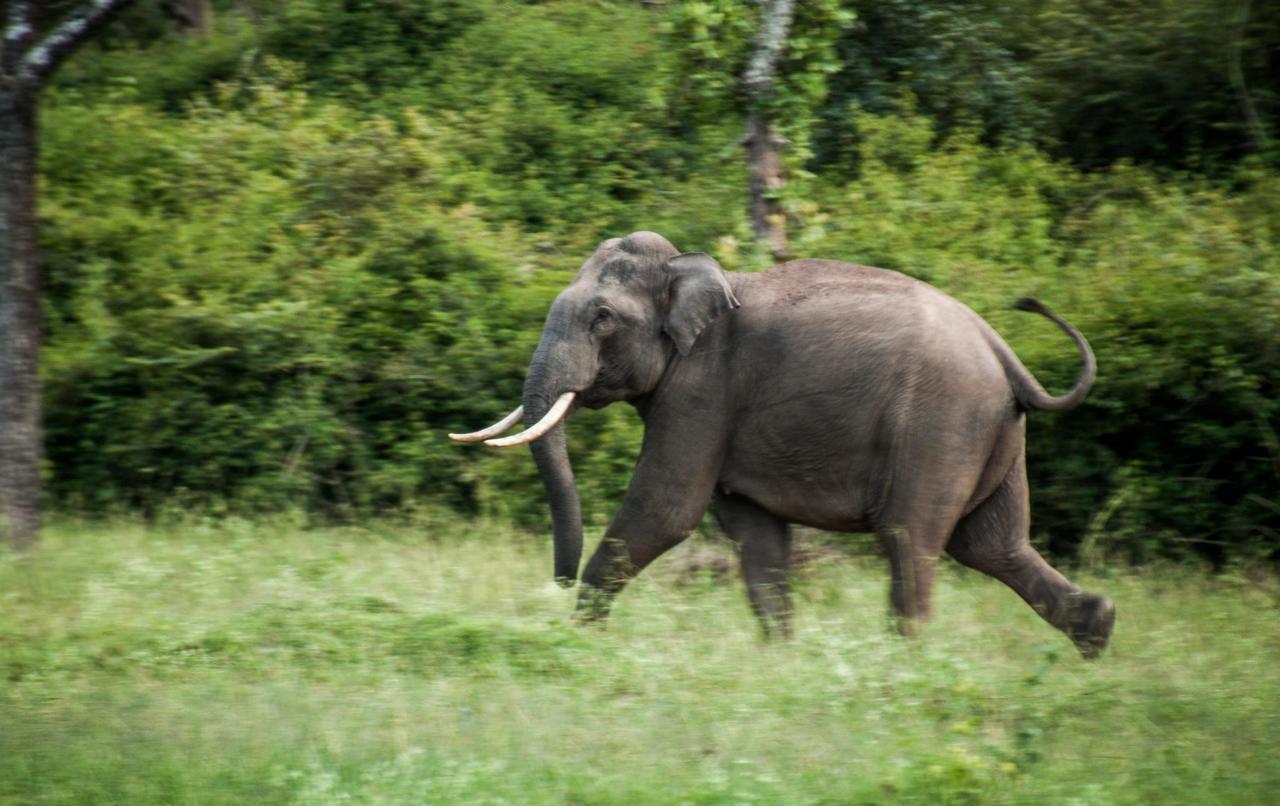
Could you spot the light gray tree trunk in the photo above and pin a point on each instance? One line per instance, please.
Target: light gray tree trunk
(763, 144)
(28, 58)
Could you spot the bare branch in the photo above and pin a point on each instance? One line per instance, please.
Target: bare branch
(18, 32)
(40, 62)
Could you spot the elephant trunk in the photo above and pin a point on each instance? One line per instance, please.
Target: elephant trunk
(552, 458)
(542, 388)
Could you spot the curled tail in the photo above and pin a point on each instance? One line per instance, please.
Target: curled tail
(1027, 389)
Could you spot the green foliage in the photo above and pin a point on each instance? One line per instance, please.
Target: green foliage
(271, 305)
(550, 128)
(251, 662)
(959, 60)
(285, 265)
(1181, 83)
(144, 55)
(375, 54)
(1166, 82)
(714, 40)
(282, 306)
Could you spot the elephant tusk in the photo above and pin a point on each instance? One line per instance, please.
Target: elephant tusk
(549, 421)
(500, 427)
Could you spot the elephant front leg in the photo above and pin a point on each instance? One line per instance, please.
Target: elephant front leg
(630, 544)
(620, 556)
(667, 498)
(766, 559)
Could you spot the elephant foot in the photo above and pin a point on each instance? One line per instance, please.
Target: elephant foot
(593, 606)
(906, 626)
(777, 631)
(1091, 624)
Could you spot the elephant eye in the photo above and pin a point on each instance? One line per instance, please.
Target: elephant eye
(604, 318)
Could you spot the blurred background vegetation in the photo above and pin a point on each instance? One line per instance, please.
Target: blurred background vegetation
(285, 259)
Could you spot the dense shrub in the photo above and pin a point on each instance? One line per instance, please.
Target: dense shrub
(261, 304)
(1176, 83)
(282, 292)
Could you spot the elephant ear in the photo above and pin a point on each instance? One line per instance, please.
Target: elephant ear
(698, 293)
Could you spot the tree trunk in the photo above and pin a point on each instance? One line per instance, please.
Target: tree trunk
(763, 144)
(27, 59)
(764, 178)
(20, 441)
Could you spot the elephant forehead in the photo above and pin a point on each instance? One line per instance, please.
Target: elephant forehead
(613, 273)
(582, 299)
(621, 271)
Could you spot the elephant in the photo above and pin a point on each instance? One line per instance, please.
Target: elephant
(820, 393)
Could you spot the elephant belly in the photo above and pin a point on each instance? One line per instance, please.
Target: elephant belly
(828, 508)
(829, 479)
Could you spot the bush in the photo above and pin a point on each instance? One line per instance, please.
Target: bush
(283, 290)
(262, 304)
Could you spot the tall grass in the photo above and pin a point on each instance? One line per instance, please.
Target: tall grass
(266, 663)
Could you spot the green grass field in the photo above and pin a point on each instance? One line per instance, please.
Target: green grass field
(435, 664)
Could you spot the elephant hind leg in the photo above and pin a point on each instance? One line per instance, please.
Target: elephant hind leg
(994, 539)
(913, 555)
(766, 558)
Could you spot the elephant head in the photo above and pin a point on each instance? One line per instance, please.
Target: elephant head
(635, 306)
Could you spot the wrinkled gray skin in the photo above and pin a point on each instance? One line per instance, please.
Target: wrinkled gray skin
(837, 396)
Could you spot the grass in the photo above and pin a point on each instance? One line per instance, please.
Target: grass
(434, 664)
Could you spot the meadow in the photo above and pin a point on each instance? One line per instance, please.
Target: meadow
(434, 662)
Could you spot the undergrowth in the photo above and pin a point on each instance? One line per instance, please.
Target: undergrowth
(435, 663)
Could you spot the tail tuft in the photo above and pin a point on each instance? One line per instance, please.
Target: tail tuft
(1031, 305)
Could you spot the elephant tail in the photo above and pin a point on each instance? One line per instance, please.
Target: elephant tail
(1027, 389)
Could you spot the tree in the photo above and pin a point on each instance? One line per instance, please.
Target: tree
(765, 61)
(764, 145)
(28, 57)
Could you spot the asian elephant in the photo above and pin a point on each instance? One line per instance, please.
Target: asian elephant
(837, 396)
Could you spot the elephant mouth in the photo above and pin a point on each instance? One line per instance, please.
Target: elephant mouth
(609, 386)
(591, 399)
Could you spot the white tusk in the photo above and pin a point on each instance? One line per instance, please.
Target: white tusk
(500, 427)
(548, 422)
